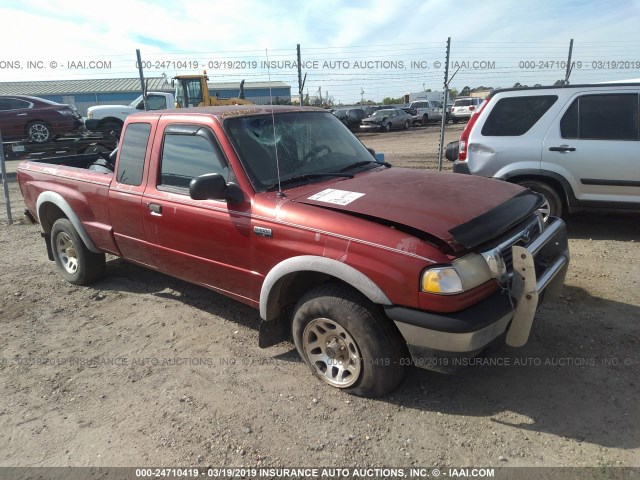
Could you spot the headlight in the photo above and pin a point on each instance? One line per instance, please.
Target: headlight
(464, 274)
(441, 280)
(89, 114)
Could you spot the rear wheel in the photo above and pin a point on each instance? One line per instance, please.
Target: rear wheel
(39, 131)
(347, 342)
(76, 262)
(552, 202)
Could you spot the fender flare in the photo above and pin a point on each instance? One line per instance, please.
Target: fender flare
(569, 196)
(312, 263)
(61, 203)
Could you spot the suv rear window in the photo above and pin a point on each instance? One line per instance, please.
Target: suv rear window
(514, 116)
(602, 117)
(464, 103)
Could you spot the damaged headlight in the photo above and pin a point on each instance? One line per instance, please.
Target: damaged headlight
(464, 274)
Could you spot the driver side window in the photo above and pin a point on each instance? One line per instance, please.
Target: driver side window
(186, 156)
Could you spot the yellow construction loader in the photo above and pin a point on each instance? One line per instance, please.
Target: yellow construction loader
(193, 91)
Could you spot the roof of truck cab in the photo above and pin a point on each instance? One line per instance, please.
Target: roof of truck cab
(226, 111)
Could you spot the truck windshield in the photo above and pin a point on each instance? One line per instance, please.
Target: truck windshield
(305, 144)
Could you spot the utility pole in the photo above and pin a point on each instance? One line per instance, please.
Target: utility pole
(5, 182)
(142, 85)
(443, 121)
(569, 66)
(300, 82)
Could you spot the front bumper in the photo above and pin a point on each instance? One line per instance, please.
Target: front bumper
(367, 127)
(538, 271)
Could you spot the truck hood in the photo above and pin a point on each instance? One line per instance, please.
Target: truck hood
(112, 108)
(427, 201)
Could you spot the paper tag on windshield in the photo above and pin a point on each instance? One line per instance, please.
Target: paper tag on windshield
(337, 197)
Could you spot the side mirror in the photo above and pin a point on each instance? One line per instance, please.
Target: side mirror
(212, 186)
(372, 152)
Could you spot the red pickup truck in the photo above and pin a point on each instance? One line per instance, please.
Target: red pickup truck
(369, 267)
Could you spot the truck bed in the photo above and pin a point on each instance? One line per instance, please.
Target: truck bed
(69, 181)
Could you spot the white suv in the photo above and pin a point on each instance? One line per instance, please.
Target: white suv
(463, 108)
(578, 145)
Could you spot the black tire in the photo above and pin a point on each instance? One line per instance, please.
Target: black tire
(553, 206)
(76, 262)
(345, 323)
(425, 120)
(387, 127)
(111, 126)
(455, 120)
(39, 131)
(407, 125)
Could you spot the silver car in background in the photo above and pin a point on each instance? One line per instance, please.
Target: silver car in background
(387, 119)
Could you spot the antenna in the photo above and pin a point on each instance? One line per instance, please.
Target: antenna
(273, 123)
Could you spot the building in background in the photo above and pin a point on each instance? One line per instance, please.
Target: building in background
(483, 93)
(260, 93)
(118, 91)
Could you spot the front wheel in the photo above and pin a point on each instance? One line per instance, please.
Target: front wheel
(76, 262)
(407, 125)
(347, 342)
(425, 120)
(387, 127)
(552, 206)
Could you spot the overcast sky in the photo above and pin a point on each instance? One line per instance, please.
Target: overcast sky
(351, 49)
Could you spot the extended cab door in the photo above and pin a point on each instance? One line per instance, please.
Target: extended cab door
(125, 193)
(595, 144)
(202, 241)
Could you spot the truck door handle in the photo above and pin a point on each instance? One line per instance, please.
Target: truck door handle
(21, 115)
(562, 148)
(154, 208)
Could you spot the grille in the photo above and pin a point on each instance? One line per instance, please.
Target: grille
(521, 236)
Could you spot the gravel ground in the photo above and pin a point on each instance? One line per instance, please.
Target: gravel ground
(142, 369)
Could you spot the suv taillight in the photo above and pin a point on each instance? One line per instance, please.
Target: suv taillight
(464, 138)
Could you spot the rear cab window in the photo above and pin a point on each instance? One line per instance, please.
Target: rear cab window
(132, 153)
(514, 116)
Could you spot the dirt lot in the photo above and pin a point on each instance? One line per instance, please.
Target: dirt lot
(141, 369)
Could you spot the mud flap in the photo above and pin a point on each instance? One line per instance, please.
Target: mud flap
(525, 290)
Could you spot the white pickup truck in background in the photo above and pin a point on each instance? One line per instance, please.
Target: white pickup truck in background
(110, 118)
(425, 111)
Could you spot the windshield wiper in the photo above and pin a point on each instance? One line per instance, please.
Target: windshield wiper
(362, 163)
(306, 177)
